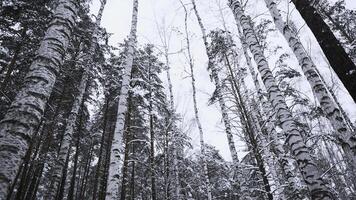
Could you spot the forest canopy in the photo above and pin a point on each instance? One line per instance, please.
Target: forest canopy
(177, 99)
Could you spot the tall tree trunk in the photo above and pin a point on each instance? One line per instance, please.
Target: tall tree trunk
(68, 133)
(218, 88)
(309, 170)
(112, 189)
(132, 182)
(333, 50)
(72, 118)
(250, 131)
(99, 165)
(128, 139)
(331, 110)
(291, 190)
(84, 184)
(195, 105)
(106, 164)
(171, 134)
(152, 137)
(75, 166)
(25, 112)
(62, 184)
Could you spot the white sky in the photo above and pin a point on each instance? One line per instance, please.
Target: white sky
(116, 20)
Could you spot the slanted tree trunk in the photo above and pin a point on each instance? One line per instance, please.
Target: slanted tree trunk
(218, 88)
(291, 190)
(112, 190)
(311, 175)
(335, 23)
(25, 112)
(251, 131)
(333, 50)
(331, 110)
(195, 105)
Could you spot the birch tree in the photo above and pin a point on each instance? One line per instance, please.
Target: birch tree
(309, 170)
(218, 89)
(195, 105)
(331, 110)
(25, 112)
(112, 191)
(69, 130)
(338, 59)
(165, 38)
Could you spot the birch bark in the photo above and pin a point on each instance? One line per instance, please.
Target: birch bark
(327, 104)
(25, 112)
(311, 175)
(72, 118)
(195, 105)
(112, 190)
(291, 190)
(339, 60)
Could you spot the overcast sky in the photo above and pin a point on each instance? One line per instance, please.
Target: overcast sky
(116, 20)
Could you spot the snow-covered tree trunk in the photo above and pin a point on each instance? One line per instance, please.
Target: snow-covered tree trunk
(25, 112)
(225, 117)
(112, 190)
(327, 104)
(291, 190)
(72, 118)
(195, 105)
(306, 164)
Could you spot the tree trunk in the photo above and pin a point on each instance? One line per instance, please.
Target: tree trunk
(327, 104)
(309, 170)
(270, 129)
(26, 110)
(128, 138)
(196, 112)
(74, 174)
(249, 129)
(333, 50)
(218, 88)
(152, 137)
(69, 130)
(112, 189)
(99, 165)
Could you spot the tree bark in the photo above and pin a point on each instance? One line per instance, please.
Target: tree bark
(218, 88)
(196, 112)
(26, 110)
(333, 50)
(311, 175)
(331, 110)
(112, 190)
